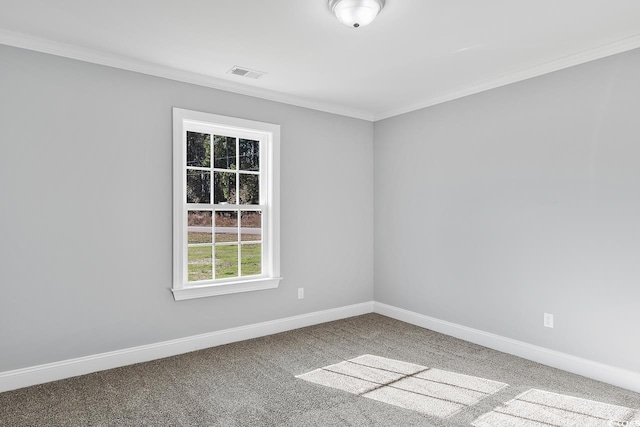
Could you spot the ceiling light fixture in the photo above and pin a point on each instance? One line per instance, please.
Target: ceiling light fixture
(356, 13)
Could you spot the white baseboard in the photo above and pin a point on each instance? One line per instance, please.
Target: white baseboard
(629, 380)
(11, 380)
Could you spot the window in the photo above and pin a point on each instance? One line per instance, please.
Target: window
(225, 205)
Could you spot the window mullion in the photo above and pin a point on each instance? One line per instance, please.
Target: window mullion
(213, 254)
(238, 203)
(239, 248)
(211, 162)
(237, 171)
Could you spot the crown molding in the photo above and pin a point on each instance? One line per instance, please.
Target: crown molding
(28, 42)
(588, 55)
(38, 44)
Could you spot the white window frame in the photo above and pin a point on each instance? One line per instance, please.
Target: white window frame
(269, 135)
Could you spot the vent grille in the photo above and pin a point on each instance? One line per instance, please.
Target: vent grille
(239, 72)
(245, 72)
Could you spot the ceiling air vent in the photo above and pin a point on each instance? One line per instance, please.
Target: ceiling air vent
(245, 72)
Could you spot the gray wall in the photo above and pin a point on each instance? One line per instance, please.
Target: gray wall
(85, 218)
(489, 210)
(497, 207)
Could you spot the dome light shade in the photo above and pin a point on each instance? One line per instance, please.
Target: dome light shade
(356, 13)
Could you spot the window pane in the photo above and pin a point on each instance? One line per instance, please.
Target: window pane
(198, 186)
(249, 189)
(198, 149)
(224, 150)
(199, 226)
(226, 261)
(251, 226)
(224, 187)
(251, 259)
(249, 155)
(200, 263)
(227, 226)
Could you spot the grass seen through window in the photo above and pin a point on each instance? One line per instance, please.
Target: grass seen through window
(226, 264)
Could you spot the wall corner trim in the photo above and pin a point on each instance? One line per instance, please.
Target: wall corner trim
(19, 378)
(627, 379)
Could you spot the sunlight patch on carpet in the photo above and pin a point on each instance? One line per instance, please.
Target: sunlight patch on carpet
(407, 385)
(542, 408)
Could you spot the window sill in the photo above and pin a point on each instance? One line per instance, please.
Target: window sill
(204, 291)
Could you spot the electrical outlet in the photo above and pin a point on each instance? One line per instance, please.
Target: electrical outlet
(300, 293)
(548, 320)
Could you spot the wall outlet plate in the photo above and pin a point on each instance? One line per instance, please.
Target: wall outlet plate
(548, 320)
(300, 293)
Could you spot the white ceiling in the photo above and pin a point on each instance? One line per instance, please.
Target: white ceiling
(416, 53)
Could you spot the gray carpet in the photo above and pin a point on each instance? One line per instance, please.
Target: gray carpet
(253, 383)
(427, 390)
